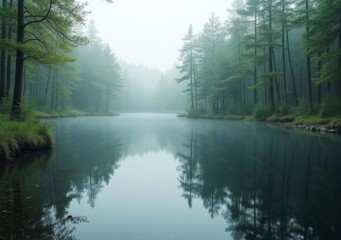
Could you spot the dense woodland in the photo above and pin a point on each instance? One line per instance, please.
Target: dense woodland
(49, 60)
(269, 56)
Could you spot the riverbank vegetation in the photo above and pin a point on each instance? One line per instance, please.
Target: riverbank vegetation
(59, 64)
(22, 137)
(49, 64)
(270, 60)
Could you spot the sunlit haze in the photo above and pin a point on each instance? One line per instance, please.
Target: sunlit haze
(149, 32)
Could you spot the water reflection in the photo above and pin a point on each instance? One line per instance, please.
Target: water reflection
(264, 182)
(26, 211)
(36, 194)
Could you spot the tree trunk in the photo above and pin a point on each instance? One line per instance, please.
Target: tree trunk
(19, 65)
(338, 82)
(310, 97)
(9, 57)
(271, 87)
(3, 57)
(255, 98)
(319, 87)
(53, 90)
(283, 54)
(47, 85)
(195, 88)
(191, 78)
(191, 72)
(278, 91)
(294, 91)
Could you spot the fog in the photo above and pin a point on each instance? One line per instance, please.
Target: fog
(149, 32)
(150, 90)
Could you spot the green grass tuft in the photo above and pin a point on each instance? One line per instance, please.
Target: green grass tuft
(16, 137)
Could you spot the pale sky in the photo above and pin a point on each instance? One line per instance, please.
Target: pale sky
(149, 32)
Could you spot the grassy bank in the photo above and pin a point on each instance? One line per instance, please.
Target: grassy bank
(20, 137)
(308, 122)
(71, 113)
(31, 134)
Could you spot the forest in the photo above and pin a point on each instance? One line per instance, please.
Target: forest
(91, 134)
(278, 56)
(49, 60)
(269, 57)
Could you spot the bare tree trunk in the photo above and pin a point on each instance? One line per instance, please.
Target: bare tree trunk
(310, 97)
(9, 58)
(283, 54)
(255, 80)
(53, 90)
(3, 57)
(293, 79)
(338, 82)
(278, 91)
(47, 85)
(19, 66)
(271, 87)
(319, 87)
(195, 88)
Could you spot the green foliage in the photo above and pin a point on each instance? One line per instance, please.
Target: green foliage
(244, 109)
(195, 113)
(303, 107)
(283, 109)
(6, 105)
(17, 136)
(330, 107)
(189, 60)
(261, 112)
(99, 75)
(28, 108)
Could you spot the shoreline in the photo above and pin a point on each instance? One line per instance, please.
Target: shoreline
(19, 138)
(330, 126)
(42, 115)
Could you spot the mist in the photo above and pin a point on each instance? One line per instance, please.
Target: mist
(170, 119)
(149, 32)
(150, 90)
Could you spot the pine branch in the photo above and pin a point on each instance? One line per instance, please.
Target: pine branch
(43, 18)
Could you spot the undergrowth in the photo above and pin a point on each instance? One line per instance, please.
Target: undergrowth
(16, 137)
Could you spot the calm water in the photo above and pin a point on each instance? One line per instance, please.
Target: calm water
(156, 177)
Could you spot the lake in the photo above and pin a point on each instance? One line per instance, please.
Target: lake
(156, 176)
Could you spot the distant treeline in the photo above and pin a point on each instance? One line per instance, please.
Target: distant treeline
(270, 55)
(149, 90)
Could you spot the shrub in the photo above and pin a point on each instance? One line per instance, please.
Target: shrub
(5, 107)
(283, 109)
(194, 113)
(303, 107)
(261, 112)
(330, 107)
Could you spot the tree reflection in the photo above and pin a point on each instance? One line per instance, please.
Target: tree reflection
(267, 185)
(21, 217)
(188, 169)
(35, 197)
